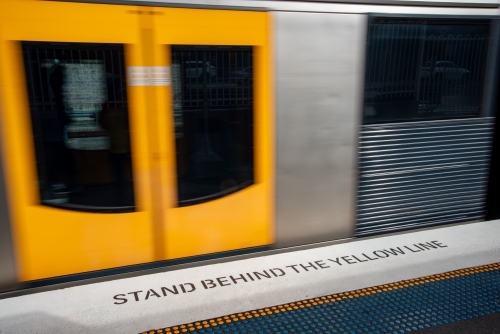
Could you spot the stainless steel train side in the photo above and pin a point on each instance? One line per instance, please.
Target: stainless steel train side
(341, 175)
(319, 80)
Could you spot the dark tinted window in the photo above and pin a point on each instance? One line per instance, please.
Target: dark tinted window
(78, 103)
(213, 110)
(424, 69)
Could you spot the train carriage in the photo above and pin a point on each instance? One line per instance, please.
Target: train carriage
(139, 133)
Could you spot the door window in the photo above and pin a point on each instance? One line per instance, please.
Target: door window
(78, 103)
(213, 110)
(425, 69)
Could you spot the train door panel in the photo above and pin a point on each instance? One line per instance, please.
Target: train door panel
(219, 154)
(75, 138)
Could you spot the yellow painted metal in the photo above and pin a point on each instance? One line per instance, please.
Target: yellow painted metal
(154, 136)
(51, 242)
(243, 219)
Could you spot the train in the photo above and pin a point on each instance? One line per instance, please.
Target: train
(140, 132)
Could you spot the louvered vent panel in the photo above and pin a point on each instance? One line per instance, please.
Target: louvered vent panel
(422, 173)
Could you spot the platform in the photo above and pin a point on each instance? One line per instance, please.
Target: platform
(234, 286)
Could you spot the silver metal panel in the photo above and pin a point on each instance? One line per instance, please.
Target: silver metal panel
(423, 173)
(8, 275)
(319, 73)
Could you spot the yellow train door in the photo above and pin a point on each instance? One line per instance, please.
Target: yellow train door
(75, 136)
(215, 126)
(109, 149)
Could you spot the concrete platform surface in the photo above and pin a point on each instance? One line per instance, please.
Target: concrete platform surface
(165, 299)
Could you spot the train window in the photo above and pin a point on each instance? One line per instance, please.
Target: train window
(78, 103)
(213, 111)
(419, 69)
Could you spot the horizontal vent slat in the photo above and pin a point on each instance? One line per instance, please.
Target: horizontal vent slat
(403, 134)
(410, 225)
(472, 165)
(424, 181)
(418, 173)
(422, 206)
(405, 192)
(444, 139)
(424, 220)
(420, 210)
(417, 156)
(391, 139)
(428, 214)
(403, 163)
(416, 201)
(428, 148)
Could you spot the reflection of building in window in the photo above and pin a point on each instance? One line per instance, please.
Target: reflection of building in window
(84, 92)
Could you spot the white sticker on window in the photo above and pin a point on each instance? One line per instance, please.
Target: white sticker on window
(148, 75)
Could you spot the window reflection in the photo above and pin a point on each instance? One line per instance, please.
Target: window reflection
(424, 69)
(213, 111)
(80, 124)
